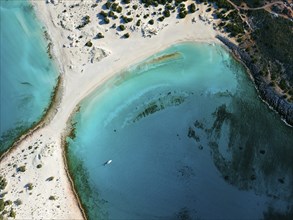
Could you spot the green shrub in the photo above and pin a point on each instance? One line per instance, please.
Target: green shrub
(111, 14)
(8, 202)
(121, 27)
(106, 20)
(161, 18)
(12, 213)
(182, 14)
(21, 169)
(3, 183)
(126, 35)
(52, 198)
(100, 35)
(191, 8)
(2, 205)
(103, 14)
(29, 186)
(166, 13)
(39, 166)
(126, 19)
(50, 178)
(138, 22)
(108, 4)
(119, 9)
(89, 44)
(151, 22)
(282, 84)
(129, 19)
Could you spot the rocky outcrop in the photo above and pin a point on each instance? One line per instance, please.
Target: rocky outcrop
(267, 93)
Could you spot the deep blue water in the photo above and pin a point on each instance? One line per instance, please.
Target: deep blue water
(28, 76)
(188, 138)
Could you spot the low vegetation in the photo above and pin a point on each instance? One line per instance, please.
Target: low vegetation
(21, 169)
(89, 44)
(273, 37)
(3, 183)
(126, 35)
(12, 213)
(2, 205)
(52, 198)
(29, 186)
(100, 35)
(50, 178)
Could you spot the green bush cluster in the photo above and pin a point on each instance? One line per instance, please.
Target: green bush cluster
(232, 22)
(182, 11)
(222, 4)
(126, 19)
(234, 29)
(273, 38)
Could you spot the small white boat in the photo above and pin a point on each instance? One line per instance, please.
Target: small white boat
(107, 162)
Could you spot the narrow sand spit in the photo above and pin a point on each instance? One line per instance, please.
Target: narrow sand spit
(83, 69)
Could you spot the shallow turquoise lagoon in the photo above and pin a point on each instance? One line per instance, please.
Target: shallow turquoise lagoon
(27, 74)
(188, 138)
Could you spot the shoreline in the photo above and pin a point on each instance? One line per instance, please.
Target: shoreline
(45, 119)
(78, 72)
(64, 145)
(283, 108)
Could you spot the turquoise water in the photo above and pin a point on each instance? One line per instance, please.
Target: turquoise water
(188, 139)
(27, 74)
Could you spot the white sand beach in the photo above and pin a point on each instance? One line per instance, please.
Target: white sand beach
(83, 69)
